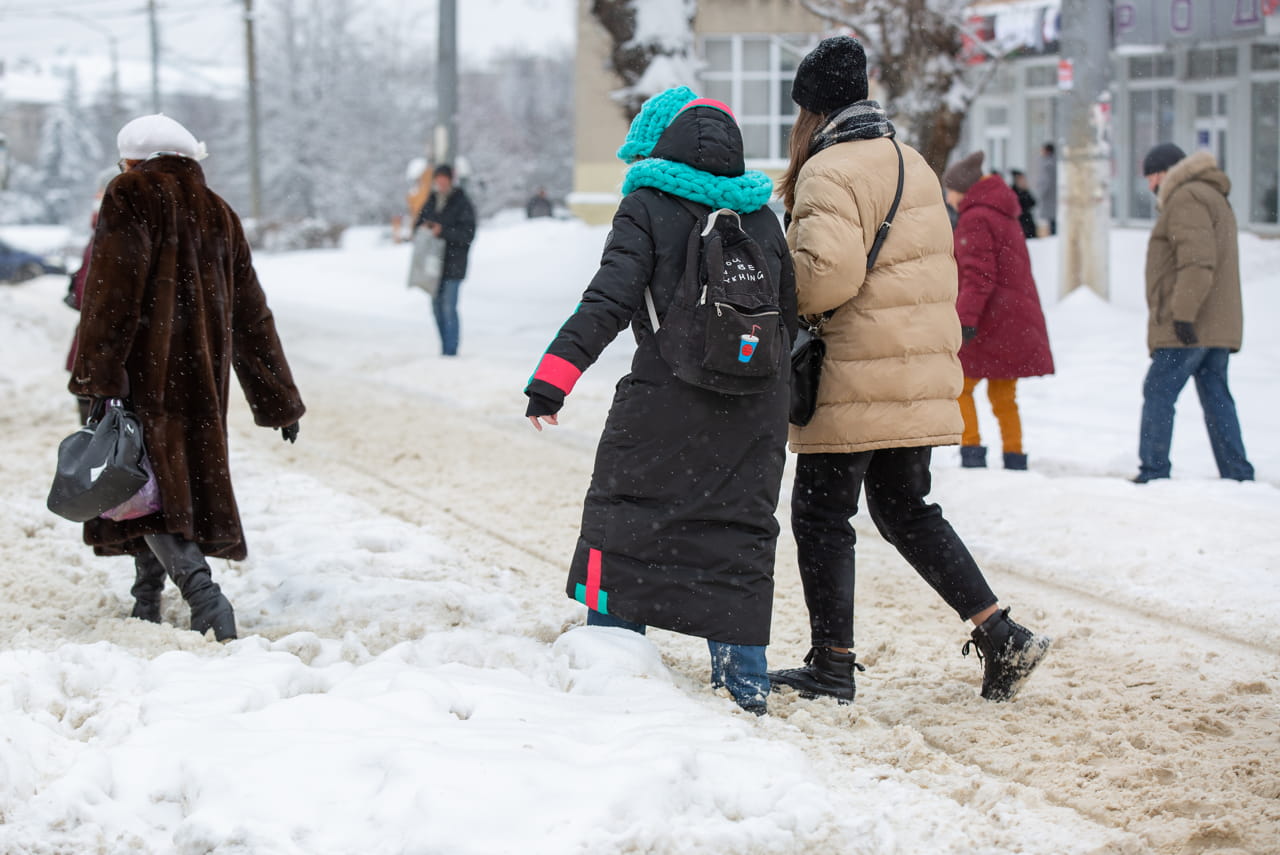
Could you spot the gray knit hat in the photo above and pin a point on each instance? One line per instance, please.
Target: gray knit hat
(963, 174)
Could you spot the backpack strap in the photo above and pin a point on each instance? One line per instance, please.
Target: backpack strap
(698, 214)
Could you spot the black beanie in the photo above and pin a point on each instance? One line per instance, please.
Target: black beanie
(1161, 158)
(833, 75)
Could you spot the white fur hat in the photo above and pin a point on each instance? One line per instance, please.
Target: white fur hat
(158, 134)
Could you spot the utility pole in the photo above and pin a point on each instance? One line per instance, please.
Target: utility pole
(1084, 172)
(255, 151)
(155, 56)
(446, 135)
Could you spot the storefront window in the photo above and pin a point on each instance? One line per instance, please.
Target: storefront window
(1150, 67)
(1151, 117)
(1266, 153)
(1205, 63)
(1266, 57)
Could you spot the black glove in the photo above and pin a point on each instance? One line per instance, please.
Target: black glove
(1186, 332)
(969, 333)
(541, 405)
(289, 433)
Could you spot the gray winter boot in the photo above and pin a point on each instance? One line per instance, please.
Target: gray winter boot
(973, 456)
(186, 566)
(148, 583)
(1009, 653)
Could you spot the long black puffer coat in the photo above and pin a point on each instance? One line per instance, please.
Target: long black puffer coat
(678, 527)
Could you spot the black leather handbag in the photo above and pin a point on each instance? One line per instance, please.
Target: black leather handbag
(100, 466)
(808, 350)
(806, 367)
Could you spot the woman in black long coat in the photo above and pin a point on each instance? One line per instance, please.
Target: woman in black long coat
(678, 527)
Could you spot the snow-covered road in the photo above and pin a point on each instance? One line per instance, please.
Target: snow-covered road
(411, 678)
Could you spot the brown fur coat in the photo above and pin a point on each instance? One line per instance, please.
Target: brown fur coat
(171, 305)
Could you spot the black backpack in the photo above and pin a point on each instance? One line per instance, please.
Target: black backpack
(723, 330)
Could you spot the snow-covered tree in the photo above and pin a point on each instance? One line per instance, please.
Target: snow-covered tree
(346, 103)
(70, 157)
(514, 129)
(917, 47)
(653, 46)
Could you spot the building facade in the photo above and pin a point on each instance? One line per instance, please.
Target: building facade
(746, 52)
(1204, 74)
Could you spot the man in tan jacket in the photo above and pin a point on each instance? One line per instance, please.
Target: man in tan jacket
(1195, 317)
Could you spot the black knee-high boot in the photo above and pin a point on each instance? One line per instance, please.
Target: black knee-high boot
(186, 566)
(148, 583)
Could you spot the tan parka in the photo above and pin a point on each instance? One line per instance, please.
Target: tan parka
(891, 376)
(1193, 258)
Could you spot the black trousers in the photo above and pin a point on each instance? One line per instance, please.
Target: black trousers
(824, 500)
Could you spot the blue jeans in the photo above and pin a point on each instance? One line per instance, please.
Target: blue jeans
(740, 668)
(445, 306)
(1170, 369)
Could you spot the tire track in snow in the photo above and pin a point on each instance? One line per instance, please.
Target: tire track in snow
(1101, 721)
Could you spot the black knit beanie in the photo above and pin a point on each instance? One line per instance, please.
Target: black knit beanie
(1161, 158)
(833, 75)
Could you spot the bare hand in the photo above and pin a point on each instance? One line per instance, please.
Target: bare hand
(436, 228)
(551, 420)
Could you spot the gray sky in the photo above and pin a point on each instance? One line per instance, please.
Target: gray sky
(200, 35)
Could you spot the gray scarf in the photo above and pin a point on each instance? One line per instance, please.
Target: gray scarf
(863, 120)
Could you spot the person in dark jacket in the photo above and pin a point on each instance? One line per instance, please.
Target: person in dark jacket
(171, 305)
(1195, 317)
(539, 205)
(1005, 336)
(1026, 203)
(678, 527)
(449, 214)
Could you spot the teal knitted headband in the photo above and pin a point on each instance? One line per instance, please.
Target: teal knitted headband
(653, 118)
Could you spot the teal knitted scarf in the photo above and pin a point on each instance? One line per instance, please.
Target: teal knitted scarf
(748, 192)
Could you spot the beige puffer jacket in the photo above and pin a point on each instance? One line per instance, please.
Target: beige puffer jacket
(1193, 258)
(891, 376)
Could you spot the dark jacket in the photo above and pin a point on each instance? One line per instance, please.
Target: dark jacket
(997, 291)
(1026, 202)
(678, 526)
(457, 219)
(1193, 258)
(171, 305)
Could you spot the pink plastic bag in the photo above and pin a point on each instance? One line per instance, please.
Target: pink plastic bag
(142, 503)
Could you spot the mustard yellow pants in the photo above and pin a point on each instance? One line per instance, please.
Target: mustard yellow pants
(1004, 403)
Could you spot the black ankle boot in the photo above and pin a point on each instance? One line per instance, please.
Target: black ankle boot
(825, 673)
(209, 608)
(148, 583)
(1009, 653)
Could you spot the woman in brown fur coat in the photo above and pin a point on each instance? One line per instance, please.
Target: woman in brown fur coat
(171, 305)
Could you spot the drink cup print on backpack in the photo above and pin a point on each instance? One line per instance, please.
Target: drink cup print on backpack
(747, 347)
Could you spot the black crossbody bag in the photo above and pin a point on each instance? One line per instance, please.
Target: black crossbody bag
(809, 350)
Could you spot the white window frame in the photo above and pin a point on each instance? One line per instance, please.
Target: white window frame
(798, 44)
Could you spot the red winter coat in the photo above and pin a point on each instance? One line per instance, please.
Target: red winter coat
(997, 292)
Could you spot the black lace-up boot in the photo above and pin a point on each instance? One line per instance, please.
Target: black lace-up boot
(1009, 653)
(825, 673)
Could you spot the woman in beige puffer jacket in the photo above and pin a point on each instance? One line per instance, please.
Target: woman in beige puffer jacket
(890, 378)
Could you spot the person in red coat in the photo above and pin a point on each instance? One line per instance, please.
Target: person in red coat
(1004, 331)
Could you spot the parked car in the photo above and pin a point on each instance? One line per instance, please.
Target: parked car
(18, 265)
